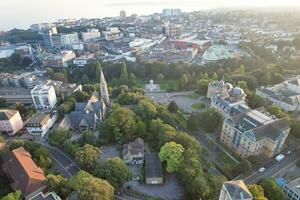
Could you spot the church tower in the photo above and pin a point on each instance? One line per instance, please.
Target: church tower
(103, 90)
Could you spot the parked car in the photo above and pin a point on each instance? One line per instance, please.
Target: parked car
(262, 169)
(279, 158)
(289, 152)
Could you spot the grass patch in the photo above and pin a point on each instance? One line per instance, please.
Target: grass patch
(194, 96)
(232, 153)
(226, 159)
(198, 106)
(169, 85)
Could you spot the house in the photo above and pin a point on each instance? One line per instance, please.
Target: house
(10, 121)
(48, 196)
(133, 152)
(235, 190)
(218, 88)
(153, 169)
(88, 115)
(40, 123)
(23, 173)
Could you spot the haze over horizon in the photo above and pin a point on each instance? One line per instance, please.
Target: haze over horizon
(21, 14)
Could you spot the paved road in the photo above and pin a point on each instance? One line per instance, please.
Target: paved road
(274, 169)
(62, 162)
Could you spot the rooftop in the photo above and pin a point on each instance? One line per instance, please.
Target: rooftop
(237, 190)
(7, 114)
(153, 166)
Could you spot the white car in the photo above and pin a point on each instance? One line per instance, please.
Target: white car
(262, 169)
(279, 158)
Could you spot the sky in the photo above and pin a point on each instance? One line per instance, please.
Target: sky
(22, 13)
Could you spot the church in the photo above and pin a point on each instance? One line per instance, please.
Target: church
(88, 115)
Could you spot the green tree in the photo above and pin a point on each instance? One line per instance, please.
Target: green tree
(255, 101)
(57, 183)
(184, 81)
(192, 123)
(88, 137)
(98, 71)
(172, 107)
(26, 62)
(114, 170)
(87, 157)
(132, 79)
(81, 96)
(272, 190)
(58, 137)
(172, 153)
(257, 192)
(94, 189)
(243, 167)
(295, 129)
(13, 196)
(202, 85)
(147, 110)
(124, 73)
(209, 120)
(276, 110)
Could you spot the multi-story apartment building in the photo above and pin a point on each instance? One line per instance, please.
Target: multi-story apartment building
(43, 97)
(64, 40)
(90, 34)
(40, 123)
(59, 60)
(10, 121)
(235, 190)
(254, 133)
(171, 12)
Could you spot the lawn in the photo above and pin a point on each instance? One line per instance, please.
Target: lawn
(169, 85)
(227, 160)
(198, 106)
(194, 96)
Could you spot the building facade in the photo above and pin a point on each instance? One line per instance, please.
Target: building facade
(10, 121)
(285, 95)
(40, 123)
(292, 189)
(43, 97)
(254, 133)
(90, 34)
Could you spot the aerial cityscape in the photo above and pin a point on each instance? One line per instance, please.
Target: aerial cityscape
(150, 100)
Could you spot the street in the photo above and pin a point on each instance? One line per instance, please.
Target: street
(274, 169)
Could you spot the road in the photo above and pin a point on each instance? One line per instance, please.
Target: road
(275, 168)
(62, 162)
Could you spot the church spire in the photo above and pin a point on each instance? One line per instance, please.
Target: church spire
(103, 89)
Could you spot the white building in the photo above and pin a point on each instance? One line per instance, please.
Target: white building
(285, 95)
(235, 190)
(43, 97)
(90, 34)
(40, 123)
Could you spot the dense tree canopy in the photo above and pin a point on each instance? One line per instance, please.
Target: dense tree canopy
(257, 192)
(87, 157)
(58, 137)
(114, 170)
(172, 153)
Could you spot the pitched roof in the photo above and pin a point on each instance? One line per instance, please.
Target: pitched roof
(153, 166)
(237, 190)
(26, 175)
(76, 117)
(7, 114)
